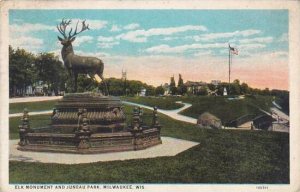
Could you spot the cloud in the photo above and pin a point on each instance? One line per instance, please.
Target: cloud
(93, 54)
(18, 29)
(96, 24)
(27, 42)
(141, 35)
(82, 39)
(131, 26)
(93, 23)
(105, 39)
(107, 42)
(257, 40)
(169, 38)
(213, 36)
(115, 28)
(246, 50)
(273, 55)
(106, 45)
(283, 38)
(251, 46)
(202, 53)
(179, 49)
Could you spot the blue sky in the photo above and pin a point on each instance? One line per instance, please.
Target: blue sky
(143, 39)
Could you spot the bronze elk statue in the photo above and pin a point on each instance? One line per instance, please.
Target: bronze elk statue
(76, 64)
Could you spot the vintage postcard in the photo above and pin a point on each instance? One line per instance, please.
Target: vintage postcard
(150, 96)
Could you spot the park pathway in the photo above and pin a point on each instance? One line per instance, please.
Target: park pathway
(171, 113)
(33, 99)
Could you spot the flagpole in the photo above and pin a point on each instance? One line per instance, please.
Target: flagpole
(229, 61)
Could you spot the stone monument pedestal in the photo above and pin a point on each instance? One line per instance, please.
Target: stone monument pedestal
(89, 123)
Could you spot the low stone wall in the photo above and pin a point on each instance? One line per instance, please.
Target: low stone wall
(93, 143)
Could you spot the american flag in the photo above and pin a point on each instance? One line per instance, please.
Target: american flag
(233, 50)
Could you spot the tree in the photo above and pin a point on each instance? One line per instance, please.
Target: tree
(159, 90)
(85, 83)
(266, 91)
(245, 88)
(235, 88)
(150, 90)
(181, 88)
(116, 87)
(211, 87)
(51, 71)
(21, 71)
(203, 91)
(173, 88)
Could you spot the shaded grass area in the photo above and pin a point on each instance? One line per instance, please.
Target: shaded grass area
(221, 107)
(223, 156)
(31, 106)
(161, 102)
(225, 109)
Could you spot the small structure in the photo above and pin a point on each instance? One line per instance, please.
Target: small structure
(207, 120)
(166, 88)
(215, 82)
(225, 92)
(194, 87)
(142, 93)
(263, 122)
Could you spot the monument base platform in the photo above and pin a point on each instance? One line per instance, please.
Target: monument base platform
(97, 143)
(89, 123)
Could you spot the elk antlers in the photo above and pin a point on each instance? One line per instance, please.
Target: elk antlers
(63, 26)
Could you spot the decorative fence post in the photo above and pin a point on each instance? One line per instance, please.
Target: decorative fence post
(24, 128)
(137, 128)
(136, 119)
(140, 117)
(84, 133)
(155, 122)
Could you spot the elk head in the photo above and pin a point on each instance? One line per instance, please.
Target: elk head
(68, 39)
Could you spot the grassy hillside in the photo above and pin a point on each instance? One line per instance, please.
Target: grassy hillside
(226, 109)
(223, 156)
(221, 107)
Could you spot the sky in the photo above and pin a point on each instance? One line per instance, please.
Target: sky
(153, 45)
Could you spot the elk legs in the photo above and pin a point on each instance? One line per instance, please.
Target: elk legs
(102, 78)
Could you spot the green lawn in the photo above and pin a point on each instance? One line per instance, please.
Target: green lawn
(35, 122)
(221, 107)
(225, 109)
(223, 156)
(31, 106)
